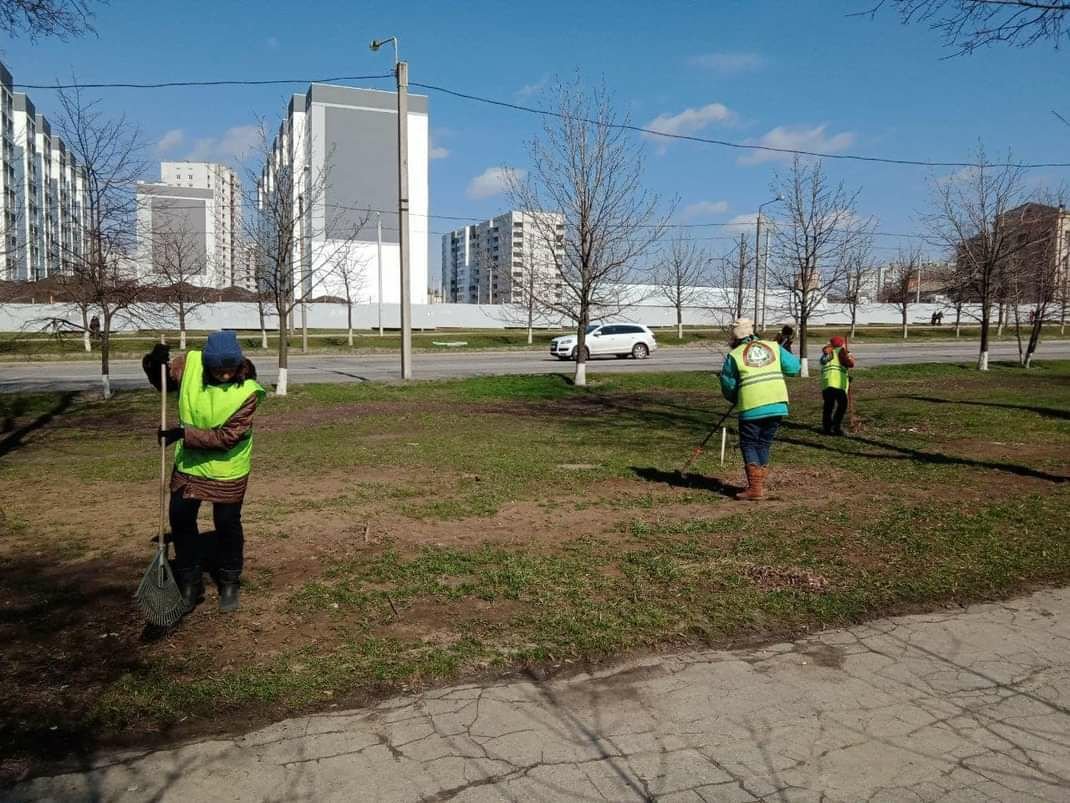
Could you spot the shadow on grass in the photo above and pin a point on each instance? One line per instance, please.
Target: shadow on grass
(67, 631)
(692, 481)
(907, 453)
(14, 437)
(1046, 412)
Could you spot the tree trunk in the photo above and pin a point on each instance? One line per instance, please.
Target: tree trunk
(531, 322)
(679, 322)
(1001, 319)
(904, 315)
(86, 340)
(263, 326)
(854, 319)
(986, 321)
(181, 328)
(1034, 336)
(958, 320)
(284, 354)
(802, 345)
(349, 320)
(1018, 335)
(105, 354)
(580, 379)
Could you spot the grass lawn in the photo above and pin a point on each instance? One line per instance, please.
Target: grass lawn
(399, 536)
(38, 346)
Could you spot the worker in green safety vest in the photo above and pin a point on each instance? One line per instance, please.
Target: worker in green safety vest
(752, 377)
(836, 361)
(217, 397)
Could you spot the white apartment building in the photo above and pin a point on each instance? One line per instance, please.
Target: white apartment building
(42, 193)
(335, 155)
(494, 261)
(198, 203)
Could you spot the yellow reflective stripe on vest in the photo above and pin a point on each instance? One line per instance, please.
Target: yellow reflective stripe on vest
(834, 374)
(204, 406)
(761, 380)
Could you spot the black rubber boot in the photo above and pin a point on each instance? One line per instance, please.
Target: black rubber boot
(191, 586)
(229, 589)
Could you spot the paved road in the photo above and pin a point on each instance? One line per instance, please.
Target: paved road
(380, 367)
(952, 706)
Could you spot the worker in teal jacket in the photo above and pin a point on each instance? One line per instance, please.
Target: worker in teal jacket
(752, 378)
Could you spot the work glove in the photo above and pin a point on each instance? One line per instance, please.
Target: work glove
(161, 353)
(169, 436)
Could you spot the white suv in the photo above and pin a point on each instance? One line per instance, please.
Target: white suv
(616, 339)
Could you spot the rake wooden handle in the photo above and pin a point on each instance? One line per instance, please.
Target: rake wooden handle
(163, 451)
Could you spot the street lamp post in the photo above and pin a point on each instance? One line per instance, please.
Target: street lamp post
(758, 257)
(401, 72)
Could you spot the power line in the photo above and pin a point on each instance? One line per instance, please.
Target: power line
(172, 84)
(547, 113)
(728, 144)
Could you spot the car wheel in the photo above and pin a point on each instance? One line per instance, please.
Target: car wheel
(640, 351)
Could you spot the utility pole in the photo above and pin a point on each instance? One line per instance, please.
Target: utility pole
(401, 72)
(379, 242)
(917, 295)
(757, 251)
(765, 276)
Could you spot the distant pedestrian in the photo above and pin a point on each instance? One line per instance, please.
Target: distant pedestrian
(94, 327)
(836, 361)
(786, 337)
(752, 378)
(217, 397)
(932, 319)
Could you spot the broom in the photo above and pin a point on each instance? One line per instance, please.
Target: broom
(158, 596)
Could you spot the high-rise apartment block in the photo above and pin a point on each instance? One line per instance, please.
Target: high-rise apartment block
(42, 193)
(194, 210)
(503, 260)
(335, 158)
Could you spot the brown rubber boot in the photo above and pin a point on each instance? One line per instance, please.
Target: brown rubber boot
(755, 480)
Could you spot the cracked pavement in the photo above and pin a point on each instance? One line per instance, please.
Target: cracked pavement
(963, 705)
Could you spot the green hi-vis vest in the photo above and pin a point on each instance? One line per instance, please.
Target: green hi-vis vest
(761, 381)
(834, 373)
(204, 406)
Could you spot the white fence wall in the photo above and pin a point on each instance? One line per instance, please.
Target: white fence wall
(35, 317)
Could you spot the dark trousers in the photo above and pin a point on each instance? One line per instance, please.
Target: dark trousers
(193, 549)
(835, 408)
(756, 439)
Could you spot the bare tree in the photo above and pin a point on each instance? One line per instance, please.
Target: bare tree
(297, 244)
(351, 274)
(679, 272)
(179, 260)
(970, 218)
(586, 166)
(42, 18)
(730, 277)
(103, 277)
(856, 274)
(813, 242)
(901, 283)
(1032, 275)
(967, 25)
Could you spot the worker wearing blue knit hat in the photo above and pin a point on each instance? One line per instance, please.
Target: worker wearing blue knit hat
(217, 397)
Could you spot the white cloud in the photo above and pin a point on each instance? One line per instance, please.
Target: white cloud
(528, 90)
(235, 144)
(492, 181)
(797, 138)
(729, 63)
(438, 152)
(689, 121)
(743, 223)
(704, 209)
(170, 140)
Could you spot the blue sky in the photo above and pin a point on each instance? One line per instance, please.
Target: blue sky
(793, 72)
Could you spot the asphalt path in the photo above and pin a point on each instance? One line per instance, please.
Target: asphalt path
(342, 368)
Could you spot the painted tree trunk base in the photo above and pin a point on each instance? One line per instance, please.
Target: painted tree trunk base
(580, 379)
(105, 382)
(86, 341)
(982, 361)
(182, 340)
(263, 339)
(280, 386)
(805, 372)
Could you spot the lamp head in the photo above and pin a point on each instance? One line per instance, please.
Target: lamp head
(375, 45)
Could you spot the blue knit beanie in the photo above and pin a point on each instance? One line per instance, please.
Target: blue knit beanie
(222, 351)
